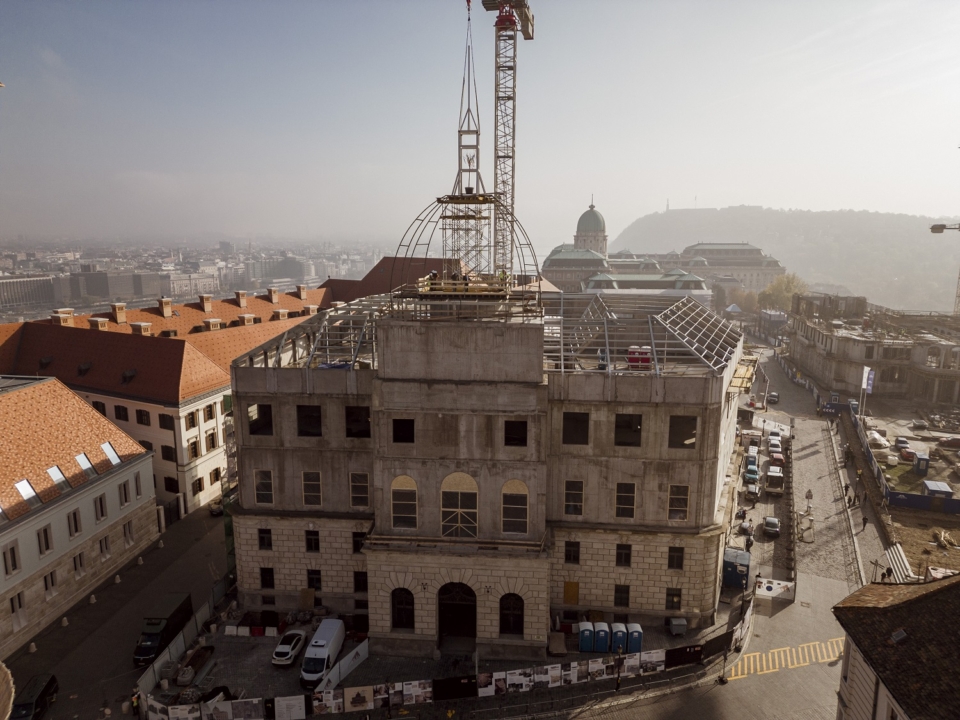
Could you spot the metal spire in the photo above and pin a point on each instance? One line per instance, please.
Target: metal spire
(468, 144)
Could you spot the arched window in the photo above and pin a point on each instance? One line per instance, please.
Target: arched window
(511, 614)
(403, 500)
(458, 506)
(514, 507)
(401, 609)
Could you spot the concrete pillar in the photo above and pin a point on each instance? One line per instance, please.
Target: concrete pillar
(161, 520)
(182, 500)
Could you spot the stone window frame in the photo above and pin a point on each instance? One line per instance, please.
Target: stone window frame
(263, 487)
(311, 541)
(621, 596)
(571, 552)
(404, 484)
(569, 493)
(355, 485)
(675, 557)
(312, 488)
(621, 508)
(678, 504)
(514, 490)
(624, 555)
(459, 506)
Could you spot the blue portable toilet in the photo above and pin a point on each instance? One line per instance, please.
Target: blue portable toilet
(736, 566)
(618, 637)
(634, 638)
(601, 637)
(921, 464)
(586, 637)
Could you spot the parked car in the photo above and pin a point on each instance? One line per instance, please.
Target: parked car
(775, 447)
(216, 507)
(752, 491)
(773, 398)
(950, 442)
(901, 442)
(920, 425)
(775, 435)
(776, 460)
(289, 647)
(753, 451)
(751, 475)
(771, 527)
(751, 461)
(34, 698)
(908, 453)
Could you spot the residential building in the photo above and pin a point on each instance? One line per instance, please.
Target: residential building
(474, 470)
(76, 503)
(899, 651)
(172, 392)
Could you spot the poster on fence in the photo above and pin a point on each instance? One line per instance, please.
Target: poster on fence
(358, 698)
(652, 661)
(381, 696)
(217, 711)
(610, 666)
(328, 701)
(485, 686)
(184, 712)
(631, 664)
(541, 678)
(596, 669)
(555, 675)
(418, 692)
(519, 680)
(290, 708)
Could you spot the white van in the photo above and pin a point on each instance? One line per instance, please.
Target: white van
(321, 653)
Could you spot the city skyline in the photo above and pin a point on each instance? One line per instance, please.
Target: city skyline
(334, 121)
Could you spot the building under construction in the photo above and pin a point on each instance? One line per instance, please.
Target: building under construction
(915, 355)
(464, 463)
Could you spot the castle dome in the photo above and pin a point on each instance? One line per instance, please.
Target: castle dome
(591, 222)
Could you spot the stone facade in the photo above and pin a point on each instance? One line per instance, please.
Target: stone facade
(469, 468)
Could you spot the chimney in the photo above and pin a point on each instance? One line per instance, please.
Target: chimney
(246, 318)
(274, 295)
(166, 309)
(302, 292)
(207, 302)
(280, 314)
(59, 318)
(64, 311)
(211, 324)
(310, 309)
(241, 298)
(98, 323)
(141, 328)
(119, 313)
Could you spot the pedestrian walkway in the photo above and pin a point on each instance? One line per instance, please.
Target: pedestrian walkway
(786, 658)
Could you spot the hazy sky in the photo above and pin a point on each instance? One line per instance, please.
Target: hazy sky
(338, 119)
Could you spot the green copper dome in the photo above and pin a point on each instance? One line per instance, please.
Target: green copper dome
(591, 222)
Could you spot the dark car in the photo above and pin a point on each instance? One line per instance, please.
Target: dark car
(216, 507)
(920, 425)
(773, 398)
(771, 527)
(908, 453)
(950, 442)
(776, 460)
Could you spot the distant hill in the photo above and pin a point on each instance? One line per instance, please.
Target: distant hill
(892, 259)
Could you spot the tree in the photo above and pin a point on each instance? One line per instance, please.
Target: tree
(744, 299)
(778, 295)
(719, 298)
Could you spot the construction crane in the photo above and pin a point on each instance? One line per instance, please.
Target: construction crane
(512, 15)
(939, 229)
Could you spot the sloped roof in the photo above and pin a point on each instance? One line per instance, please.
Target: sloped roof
(9, 343)
(919, 669)
(188, 316)
(384, 277)
(43, 423)
(168, 370)
(225, 346)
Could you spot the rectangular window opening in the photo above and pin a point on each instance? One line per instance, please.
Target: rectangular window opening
(312, 489)
(309, 421)
(359, 490)
(264, 539)
(683, 432)
(515, 433)
(357, 421)
(621, 596)
(675, 558)
(627, 430)
(260, 419)
(403, 430)
(312, 541)
(110, 453)
(571, 552)
(573, 497)
(624, 555)
(263, 487)
(576, 428)
(678, 502)
(626, 500)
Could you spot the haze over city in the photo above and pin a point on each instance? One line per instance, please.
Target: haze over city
(338, 120)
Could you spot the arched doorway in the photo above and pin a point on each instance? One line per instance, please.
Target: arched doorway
(457, 611)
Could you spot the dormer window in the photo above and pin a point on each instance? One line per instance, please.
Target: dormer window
(84, 462)
(110, 453)
(27, 492)
(59, 480)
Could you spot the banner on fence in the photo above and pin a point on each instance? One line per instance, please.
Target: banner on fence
(293, 707)
(343, 668)
(652, 661)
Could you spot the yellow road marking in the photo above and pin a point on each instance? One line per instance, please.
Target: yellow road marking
(761, 663)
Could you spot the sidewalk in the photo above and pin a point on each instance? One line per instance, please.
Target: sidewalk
(92, 657)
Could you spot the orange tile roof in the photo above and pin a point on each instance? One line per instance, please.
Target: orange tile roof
(187, 317)
(168, 370)
(43, 423)
(225, 346)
